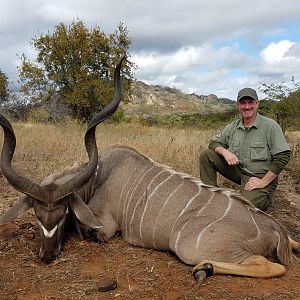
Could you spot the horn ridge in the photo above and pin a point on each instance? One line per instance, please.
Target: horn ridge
(113, 105)
(19, 182)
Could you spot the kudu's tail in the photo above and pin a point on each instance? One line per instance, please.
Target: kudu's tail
(285, 247)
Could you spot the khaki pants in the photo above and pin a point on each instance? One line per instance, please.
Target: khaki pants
(211, 163)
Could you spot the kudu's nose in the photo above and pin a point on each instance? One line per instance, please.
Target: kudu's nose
(47, 257)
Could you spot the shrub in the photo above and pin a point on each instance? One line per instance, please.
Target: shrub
(38, 115)
(169, 120)
(119, 116)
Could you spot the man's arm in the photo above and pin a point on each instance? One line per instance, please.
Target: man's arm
(254, 182)
(259, 183)
(219, 144)
(279, 162)
(231, 158)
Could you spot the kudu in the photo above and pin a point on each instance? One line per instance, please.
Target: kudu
(57, 194)
(156, 207)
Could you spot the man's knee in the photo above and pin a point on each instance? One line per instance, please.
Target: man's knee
(262, 201)
(208, 173)
(206, 156)
(260, 198)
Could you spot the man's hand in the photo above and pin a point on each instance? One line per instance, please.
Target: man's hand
(259, 183)
(231, 158)
(254, 183)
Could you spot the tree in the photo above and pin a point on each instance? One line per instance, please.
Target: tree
(275, 91)
(17, 106)
(288, 111)
(4, 91)
(78, 64)
(286, 107)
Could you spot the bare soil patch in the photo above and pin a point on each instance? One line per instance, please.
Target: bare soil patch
(84, 266)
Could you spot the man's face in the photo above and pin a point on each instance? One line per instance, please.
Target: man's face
(247, 107)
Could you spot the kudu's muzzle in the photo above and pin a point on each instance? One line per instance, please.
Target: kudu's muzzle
(51, 245)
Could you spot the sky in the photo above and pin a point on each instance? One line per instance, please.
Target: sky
(197, 46)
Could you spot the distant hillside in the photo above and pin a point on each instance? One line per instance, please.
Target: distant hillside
(155, 99)
(146, 101)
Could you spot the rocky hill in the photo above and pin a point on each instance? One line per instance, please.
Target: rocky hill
(155, 99)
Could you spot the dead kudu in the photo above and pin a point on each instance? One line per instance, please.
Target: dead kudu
(152, 206)
(57, 194)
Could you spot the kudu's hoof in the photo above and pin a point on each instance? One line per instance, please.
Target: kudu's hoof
(200, 276)
(206, 271)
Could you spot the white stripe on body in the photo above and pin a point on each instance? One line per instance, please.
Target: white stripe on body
(139, 200)
(187, 205)
(137, 203)
(183, 227)
(211, 224)
(257, 228)
(121, 196)
(182, 212)
(135, 185)
(279, 242)
(149, 197)
(161, 209)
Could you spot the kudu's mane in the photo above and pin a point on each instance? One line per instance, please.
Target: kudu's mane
(67, 174)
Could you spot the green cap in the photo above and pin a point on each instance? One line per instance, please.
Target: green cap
(247, 92)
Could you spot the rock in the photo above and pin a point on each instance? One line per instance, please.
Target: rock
(106, 284)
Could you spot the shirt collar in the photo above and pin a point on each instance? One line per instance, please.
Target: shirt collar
(256, 124)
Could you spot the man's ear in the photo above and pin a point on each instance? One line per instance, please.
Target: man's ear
(17, 210)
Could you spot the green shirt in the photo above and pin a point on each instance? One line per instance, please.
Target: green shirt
(256, 146)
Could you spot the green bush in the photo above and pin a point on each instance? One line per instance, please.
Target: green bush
(38, 115)
(169, 120)
(119, 116)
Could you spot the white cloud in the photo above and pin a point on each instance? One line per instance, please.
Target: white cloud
(202, 46)
(275, 52)
(192, 69)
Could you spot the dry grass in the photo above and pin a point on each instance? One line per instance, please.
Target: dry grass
(294, 142)
(43, 149)
(177, 148)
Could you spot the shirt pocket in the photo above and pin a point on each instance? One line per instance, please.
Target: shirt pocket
(259, 151)
(234, 147)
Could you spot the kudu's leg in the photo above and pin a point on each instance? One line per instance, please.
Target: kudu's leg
(254, 266)
(92, 233)
(294, 245)
(101, 235)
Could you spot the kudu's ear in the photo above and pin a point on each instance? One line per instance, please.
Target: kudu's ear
(17, 210)
(83, 213)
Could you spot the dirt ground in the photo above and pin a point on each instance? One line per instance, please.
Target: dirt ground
(84, 266)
